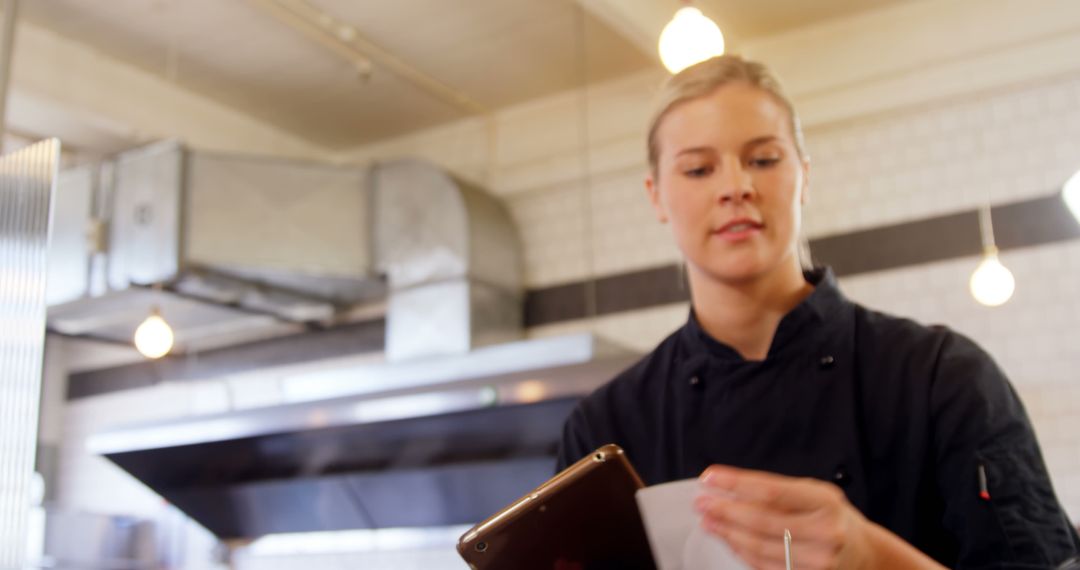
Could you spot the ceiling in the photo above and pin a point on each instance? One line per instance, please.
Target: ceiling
(761, 18)
(494, 52)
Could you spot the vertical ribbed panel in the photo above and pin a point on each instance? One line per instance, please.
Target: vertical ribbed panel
(26, 183)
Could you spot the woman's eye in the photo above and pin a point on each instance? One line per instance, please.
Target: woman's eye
(698, 172)
(763, 162)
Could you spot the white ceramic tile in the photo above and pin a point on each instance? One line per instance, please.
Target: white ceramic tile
(945, 158)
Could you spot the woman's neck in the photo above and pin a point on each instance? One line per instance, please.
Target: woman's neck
(745, 315)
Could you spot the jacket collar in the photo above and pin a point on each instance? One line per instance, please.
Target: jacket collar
(824, 308)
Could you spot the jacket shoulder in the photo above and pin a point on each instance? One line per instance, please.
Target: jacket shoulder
(636, 380)
(885, 337)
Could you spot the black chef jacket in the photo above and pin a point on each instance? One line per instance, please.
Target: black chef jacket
(899, 415)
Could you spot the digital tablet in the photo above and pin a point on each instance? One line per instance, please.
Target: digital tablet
(584, 518)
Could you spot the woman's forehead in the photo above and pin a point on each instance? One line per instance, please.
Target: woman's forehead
(732, 114)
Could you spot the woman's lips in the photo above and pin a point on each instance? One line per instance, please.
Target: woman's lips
(738, 230)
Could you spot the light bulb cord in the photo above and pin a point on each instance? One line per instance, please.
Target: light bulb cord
(986, 230)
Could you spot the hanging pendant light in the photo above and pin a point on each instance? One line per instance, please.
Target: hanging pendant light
(690, 37)
(992, 284)
(1071, 194)
(154, 337)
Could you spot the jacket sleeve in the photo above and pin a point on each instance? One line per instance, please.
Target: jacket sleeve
(576, 441)
(999, 502)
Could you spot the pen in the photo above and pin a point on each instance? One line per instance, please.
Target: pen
(787, 549)
(984, 490)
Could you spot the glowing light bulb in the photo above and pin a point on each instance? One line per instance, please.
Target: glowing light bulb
(688, 38)
(154, 337)
(992, 284)
(1071, 194)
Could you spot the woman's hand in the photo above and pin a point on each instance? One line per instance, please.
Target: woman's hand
(750, 510)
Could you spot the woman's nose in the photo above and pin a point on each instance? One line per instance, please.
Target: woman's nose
(735, 184)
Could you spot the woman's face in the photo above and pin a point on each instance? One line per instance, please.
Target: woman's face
(731, 183)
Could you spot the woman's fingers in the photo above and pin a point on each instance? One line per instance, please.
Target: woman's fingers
(750, 510)
(768, 489)
(741, 514)
(822, 516)
(826, 527)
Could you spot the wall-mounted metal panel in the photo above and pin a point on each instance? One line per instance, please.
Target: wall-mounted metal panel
(145, 225)
(69, 250)
(26, 186)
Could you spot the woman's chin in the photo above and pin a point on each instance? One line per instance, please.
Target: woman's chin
(736, 270)
(736, 273)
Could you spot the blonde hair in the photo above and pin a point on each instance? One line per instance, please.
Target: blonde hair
(703, 78)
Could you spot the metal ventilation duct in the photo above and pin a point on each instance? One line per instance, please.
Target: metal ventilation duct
(451, 256)
(238, 245)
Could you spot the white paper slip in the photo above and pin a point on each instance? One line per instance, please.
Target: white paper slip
(678, 542)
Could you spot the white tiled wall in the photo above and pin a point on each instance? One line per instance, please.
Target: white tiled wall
(947, 158)
(553, 233)
(557, 223)
(903, 166)
(1033, 336)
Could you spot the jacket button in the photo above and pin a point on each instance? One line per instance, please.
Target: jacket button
(827, 361)
(694, 380)
(842, 477)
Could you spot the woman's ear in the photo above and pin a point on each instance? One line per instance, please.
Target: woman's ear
(654, 198)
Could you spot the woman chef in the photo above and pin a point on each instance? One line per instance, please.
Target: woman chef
(878, 442)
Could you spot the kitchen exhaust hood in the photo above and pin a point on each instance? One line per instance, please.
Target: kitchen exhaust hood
(436, 442)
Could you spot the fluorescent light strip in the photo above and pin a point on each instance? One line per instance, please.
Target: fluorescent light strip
(346, 541)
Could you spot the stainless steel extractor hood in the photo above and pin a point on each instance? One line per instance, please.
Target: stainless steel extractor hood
(435, 442)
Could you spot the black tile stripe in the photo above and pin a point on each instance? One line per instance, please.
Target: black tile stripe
(646, 288)
(900, 245)
(1021, 224)
(616, 293)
